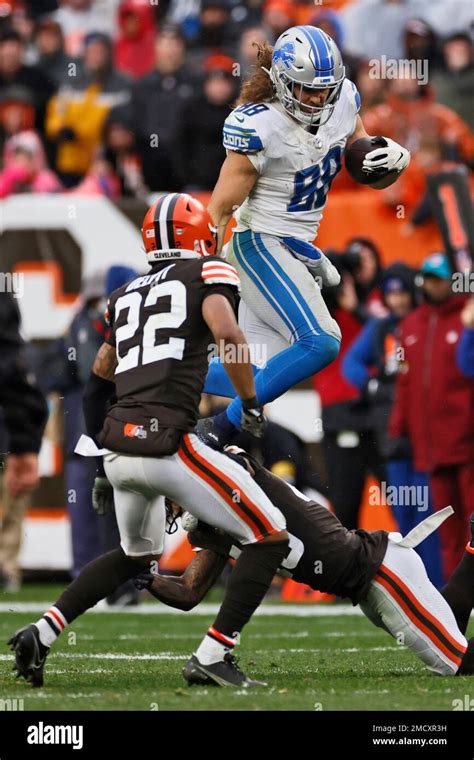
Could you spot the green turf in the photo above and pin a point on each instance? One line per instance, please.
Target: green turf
(328, 663)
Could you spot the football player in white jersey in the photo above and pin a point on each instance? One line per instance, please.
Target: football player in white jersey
(296, 115)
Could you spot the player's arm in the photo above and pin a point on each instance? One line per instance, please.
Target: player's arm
(99, 389)
(220, 318)
(185, 591)
(387, 155)
(236, 179)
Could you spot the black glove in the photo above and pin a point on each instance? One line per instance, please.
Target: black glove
(102, 496)
(253, 420)
(206, 537)
(143, 580)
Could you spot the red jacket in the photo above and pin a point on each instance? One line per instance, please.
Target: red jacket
(434, 403)
(329, 382)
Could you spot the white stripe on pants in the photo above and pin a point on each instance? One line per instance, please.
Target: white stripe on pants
(426, 625)
(206, 483)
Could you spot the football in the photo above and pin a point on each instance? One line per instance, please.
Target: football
(354, 157)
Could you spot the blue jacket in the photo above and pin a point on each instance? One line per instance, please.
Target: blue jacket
(465, 353)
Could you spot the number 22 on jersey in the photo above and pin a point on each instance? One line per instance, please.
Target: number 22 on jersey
(146, 351)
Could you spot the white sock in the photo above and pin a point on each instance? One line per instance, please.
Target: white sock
(50, 626)
(214, 647)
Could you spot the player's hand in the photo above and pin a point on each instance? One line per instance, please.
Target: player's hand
(388, 157)
(21, 473)
(143, 580)
(102, 496)
(206, 537)
(253, 420)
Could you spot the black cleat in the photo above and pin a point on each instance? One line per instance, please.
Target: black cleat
(467, 665)
(208, 432)
(194, 675)
(30, 655)
(223, 673)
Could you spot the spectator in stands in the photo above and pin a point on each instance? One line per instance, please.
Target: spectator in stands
(371, 88)
(199, 148)
(434, 404)
(135, 44)
(23, 414)
(24, 167)
(465, 350)
(17, 112)
(77, 114)
(157, 103)
(277, 16)
(13, 71)
(371, 365)
(52, 60)
(349, 444)
(79, 18)
(454, 84)
(217, 33)
(362, 257)
(420, 43)
(411, 114)
(247, 56)
(122, 154)
(100, 179)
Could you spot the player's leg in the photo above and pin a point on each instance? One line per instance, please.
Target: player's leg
(264, 342)
(217, 490)
(284, 295)
(459, 590)
(404, 602)
(141, 520)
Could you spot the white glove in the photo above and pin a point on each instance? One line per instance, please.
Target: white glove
(390, 155)
(315, 261)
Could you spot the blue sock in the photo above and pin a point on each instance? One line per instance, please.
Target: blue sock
(296, 363)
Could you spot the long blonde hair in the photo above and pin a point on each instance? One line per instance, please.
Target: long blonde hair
(258, 87)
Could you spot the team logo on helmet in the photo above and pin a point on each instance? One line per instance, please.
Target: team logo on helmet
(285, 54)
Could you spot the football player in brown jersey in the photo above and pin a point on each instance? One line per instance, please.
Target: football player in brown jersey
(141, 405)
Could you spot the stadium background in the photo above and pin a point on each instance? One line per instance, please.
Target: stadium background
(58, 241)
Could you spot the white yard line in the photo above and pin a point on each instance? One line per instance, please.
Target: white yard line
(278, 610)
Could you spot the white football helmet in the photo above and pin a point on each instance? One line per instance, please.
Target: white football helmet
(306, 56)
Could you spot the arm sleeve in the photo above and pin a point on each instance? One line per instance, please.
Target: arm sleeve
(359, 357)
(465, 353)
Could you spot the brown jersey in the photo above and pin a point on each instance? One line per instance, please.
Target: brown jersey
(323, 553)
(163, 346)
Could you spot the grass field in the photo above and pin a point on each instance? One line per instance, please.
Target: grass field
(133, 660)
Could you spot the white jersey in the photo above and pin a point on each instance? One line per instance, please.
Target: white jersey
(295, 167)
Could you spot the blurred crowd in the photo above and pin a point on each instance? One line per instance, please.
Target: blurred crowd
(127, 97)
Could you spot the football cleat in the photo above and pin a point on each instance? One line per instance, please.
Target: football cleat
(30, 655)
(226, 672)
(208, 432)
